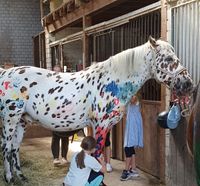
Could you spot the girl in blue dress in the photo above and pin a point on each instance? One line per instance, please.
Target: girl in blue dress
(133, 138)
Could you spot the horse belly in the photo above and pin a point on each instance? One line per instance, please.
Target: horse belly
(56, 119)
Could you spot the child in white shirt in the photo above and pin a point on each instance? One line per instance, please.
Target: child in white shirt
(84, 169)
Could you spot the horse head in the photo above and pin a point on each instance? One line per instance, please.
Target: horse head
(167, 68)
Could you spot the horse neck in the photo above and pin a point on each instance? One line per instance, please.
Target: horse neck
(130, 65)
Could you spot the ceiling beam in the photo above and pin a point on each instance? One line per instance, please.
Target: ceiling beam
(78, 13)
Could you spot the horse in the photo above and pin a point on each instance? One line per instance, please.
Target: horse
(193, 132)
(94, 97)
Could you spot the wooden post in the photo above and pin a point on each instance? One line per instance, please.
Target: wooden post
(41, 11)
(86, 23)
(164, 19)
(164, 99)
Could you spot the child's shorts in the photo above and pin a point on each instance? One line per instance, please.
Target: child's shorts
(129, 151)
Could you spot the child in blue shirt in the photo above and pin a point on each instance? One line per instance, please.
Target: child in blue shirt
(133, 138)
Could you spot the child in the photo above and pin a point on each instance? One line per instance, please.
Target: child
(57, 137)
(133, 138)
(84, 169)
(107, 153)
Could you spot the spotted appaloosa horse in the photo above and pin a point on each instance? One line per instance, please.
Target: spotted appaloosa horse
(95, 96)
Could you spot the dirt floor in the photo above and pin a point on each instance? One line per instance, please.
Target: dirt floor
(36, 162)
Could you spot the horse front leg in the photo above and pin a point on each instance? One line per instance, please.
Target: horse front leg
(7, 138)
(100, 136)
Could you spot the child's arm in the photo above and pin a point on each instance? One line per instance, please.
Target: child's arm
(102, 162)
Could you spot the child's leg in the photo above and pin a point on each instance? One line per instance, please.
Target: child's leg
(132, 168)
(126, 174)
(129, 152)
(133, 164)
(95, 178)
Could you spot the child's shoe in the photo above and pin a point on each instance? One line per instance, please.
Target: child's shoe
(108, 167)
(125, 175)
(56, 162)
(64, 161)
(134, 173)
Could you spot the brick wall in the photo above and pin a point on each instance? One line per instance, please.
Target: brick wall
(19, 21)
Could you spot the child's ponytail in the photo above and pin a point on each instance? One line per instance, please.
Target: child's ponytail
(80, 159)
(87, 144)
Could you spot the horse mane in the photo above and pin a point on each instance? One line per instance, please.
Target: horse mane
(126, 62)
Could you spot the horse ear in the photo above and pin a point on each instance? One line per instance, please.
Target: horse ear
(153, 42)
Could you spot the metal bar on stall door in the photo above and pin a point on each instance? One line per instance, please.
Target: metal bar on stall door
(94, 48)
(61, 55)
(121, 20)
(113, 43)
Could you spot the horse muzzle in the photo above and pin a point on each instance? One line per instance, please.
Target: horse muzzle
(184, 88)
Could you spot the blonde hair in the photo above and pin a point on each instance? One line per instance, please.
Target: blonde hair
(56, 67)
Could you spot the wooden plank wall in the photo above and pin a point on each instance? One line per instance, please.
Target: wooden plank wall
(180, 168)
(118, 140)
(151, 158)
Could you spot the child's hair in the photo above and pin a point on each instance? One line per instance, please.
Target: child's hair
(88, 143)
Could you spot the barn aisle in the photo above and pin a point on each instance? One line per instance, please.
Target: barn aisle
(37, 165)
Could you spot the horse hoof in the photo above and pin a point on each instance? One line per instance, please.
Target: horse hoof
(8, 180)
(23, 178)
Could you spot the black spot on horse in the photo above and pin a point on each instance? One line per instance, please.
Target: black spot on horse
(23, 89)
(8, 101)
(32, 84)
(88, 80)
(51, 91)
(39, 73)
(49, 75)
(12, 107)
(72, 79)
(21, 71)
(11, 115)
(99, 85)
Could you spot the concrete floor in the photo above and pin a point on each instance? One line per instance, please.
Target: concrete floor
(111, 179)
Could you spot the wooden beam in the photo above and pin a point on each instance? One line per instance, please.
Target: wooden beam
(41, 11)
(87, 21)
(77, 14)
(164, 19)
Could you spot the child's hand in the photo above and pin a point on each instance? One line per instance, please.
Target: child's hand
(122, 109)
(102, 162)
(101, 159)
